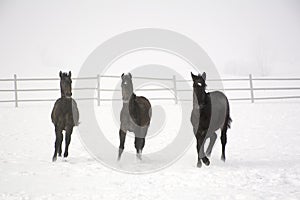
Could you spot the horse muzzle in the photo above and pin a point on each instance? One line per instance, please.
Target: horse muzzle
(69, 94)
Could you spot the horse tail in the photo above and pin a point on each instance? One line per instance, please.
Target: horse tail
(226, 125)
(54, 113)
(75, 113)
(228, 119)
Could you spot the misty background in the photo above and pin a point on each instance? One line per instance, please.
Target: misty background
(39, 38)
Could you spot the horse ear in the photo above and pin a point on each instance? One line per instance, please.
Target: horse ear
(60, 74)
(193, 76)
(130, 75)
(70, 74)
(204, 75)
(122, 75)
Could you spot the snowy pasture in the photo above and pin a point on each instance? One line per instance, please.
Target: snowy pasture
(263, 160)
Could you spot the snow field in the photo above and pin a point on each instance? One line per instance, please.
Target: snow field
(263, 161)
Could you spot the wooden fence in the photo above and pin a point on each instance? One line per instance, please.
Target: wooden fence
(251, 89)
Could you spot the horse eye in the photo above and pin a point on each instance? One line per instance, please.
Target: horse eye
(199, 84)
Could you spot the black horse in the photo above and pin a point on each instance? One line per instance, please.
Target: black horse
(135, 116)
(210, 113)
(64, 115)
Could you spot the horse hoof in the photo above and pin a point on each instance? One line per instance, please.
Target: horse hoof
(119, 157)
(206, 161)
(223, 158)
(120, 154)
(54, 158)
(139, 156)
(66, 154)
(199, 164)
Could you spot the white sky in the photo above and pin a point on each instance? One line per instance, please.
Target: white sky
(39, 38)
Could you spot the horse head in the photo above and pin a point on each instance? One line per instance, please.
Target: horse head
(199, 86)
(65, 84)
(127, 86)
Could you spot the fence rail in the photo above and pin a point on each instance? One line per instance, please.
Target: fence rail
(172, 80)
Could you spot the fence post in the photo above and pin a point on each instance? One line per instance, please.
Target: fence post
(251, 88)
(98, 89)
(16, 90)
(175, 89)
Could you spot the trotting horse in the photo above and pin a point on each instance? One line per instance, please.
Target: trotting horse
(135, 116)
(210, 113)
(64, 115)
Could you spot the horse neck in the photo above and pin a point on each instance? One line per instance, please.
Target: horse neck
(197, 101)
(129, 101)
(62, 95)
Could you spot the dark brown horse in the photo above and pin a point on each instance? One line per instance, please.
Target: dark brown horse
(64, 115)
(135, 116)
(210, 113)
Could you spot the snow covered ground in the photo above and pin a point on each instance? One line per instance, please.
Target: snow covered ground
(263, 161)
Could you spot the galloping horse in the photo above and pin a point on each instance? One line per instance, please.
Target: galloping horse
(64, 115)
(210, 113)
(135, 116)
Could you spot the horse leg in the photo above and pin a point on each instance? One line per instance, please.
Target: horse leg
(68, 141)
(199, 164)
(200, 144)
(139, 141)
(212, 141)
(58, 141)
(59, 150)
(122, 135)
(223, 141)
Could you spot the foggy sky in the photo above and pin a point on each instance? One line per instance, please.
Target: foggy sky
(39, 38)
